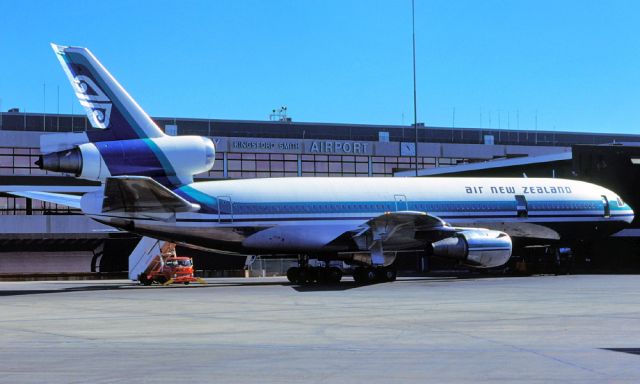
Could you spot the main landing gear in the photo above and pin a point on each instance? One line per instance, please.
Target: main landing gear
(324, 273)
(333, 275)
(308, 275)
(371, 275)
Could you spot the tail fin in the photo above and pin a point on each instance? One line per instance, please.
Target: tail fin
(109, 107)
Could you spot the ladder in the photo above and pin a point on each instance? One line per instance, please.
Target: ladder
(144, 254)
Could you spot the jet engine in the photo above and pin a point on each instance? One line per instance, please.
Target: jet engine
(169, 156)
(479, 248)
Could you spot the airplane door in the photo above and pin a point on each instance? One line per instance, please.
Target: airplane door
(225, 207)
(521, 206)
(401, 202)
(607, 209)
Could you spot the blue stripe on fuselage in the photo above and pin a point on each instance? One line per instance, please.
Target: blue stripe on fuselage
(137, 157)
(210, 204)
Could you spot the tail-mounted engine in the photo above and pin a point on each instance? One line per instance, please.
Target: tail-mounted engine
(164, 157)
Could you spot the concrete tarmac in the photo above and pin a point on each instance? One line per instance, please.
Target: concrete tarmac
(415, 330)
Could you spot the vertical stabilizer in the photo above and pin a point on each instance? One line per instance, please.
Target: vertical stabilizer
(109, 107)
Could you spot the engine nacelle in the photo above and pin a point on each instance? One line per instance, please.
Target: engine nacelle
(479, 248)
(168, 156)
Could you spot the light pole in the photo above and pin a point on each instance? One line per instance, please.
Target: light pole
(415, 108)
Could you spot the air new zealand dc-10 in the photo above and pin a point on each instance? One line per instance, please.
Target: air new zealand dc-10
(148, 189)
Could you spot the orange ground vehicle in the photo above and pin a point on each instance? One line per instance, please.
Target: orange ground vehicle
(168, 268)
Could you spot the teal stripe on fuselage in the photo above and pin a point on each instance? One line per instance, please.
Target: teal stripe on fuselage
(194, 195)
(164, 161)
(241, 208)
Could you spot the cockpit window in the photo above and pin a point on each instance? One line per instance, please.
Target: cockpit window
(620, 202)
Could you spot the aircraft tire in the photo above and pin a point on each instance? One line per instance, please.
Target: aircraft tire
(293, 275)
(314, 275)
(303, 276)
(142, 278)
(358, 275)
(364, 275)
(333, 275)
(388, 274)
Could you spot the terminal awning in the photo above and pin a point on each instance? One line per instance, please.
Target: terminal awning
(518, 162)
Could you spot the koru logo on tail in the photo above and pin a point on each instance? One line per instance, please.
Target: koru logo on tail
(93, 100)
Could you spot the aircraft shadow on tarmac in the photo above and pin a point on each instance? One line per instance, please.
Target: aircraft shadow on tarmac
(133, 286)
(63, 290)
(342, 286)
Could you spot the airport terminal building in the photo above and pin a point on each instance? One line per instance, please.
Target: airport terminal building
(39, 237)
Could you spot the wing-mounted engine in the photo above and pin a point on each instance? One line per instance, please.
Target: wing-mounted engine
(179, 157)
(396, 231)
(475, 247)
(392, 231)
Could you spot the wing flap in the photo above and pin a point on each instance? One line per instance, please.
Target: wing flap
(398, 229)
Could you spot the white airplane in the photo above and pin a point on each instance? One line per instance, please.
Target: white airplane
(148, 189)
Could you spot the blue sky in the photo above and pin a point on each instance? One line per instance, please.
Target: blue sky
(497, 62)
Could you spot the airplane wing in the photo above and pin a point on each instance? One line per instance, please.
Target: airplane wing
(479, 247)
(133, 195)
(400, 229)
(72, 201)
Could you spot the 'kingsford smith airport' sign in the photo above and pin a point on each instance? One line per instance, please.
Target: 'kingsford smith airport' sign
(368, 148)
(337, 147)
(265, 145)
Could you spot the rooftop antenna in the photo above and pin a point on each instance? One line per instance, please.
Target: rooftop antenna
(415, 108)
(453, 124)
(44, 106)
(58, 110)
(453, 118)
(280, 114)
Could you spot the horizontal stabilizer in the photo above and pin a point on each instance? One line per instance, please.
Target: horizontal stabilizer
(140, 194)
(56, 189)
(72, 201)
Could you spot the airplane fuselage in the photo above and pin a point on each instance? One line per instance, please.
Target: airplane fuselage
(309, 214)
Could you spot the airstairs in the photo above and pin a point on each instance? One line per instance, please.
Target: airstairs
(156, 260)
(142, 256)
